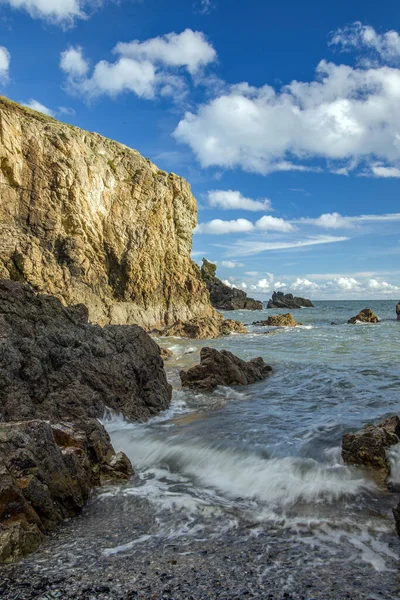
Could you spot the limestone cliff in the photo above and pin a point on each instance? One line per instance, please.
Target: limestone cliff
(91, 221)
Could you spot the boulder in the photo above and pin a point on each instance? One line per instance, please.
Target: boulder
(54, 365)
(398, 311)
(364, 316)
(46, 474)
(367, 447)
(286, 320)
(224, 297)
(205, 328)
(281, 300)
(223, 368)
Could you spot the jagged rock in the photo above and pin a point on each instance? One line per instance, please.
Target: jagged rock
(54, 365)
(223, 296)
(206, 328)
(398, 311)
(46, 474)
(396, 514)
(278, 321)
(92, 221)
(223, 368)
(281, 300)
(166, 353)
(364, 316)
(368, 446)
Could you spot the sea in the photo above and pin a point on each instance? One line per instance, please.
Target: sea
(255, 473)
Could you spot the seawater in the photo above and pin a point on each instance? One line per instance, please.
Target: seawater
(267, 457)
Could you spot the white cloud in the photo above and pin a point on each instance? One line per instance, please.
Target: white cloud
(382, 171)
(218, 226)
(382, 286)
(337, 221)
(228, 283)
(252, 247)
(303, 284)
(62, 12)
(148, 69)
(229, 264)
(268, 223)
(189, 49)
(363, 37)
(35, 105)
(5, 58)
(280, 285)
(203, 7)
(234, 200)
(345, 115)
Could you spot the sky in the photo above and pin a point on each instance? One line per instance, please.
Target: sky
(284, 117)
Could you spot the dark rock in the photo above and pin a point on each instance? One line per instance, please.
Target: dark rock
(223, 368)
(364, 316)
(223, 296)
(398, 311)
(55, 365)
(281, 300)
(368, 446)
(286, 320)
(333, 323)
(396, 514)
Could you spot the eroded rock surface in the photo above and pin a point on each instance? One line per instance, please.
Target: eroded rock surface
(281, 300)
(205, 328)
(92, 221)
(54, 365)
(46, 474)
(223, 296)
(364, 316)
(223, 368)
(367, 447)
(286, 320)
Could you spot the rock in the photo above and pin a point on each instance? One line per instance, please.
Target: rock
(396, 514)
(398, 311)
(209, 328)
(281, 300)
(166, 353)
(223, 368)
(223, 296)
(278, 321)
(333, 323)
(46, 474)
(92, 221)
(364, 316)
(367, 447)
(56, 366)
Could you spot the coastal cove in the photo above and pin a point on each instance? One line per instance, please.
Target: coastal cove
(242, 492)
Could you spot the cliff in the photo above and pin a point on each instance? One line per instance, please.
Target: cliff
(91, 221)
(222, 296)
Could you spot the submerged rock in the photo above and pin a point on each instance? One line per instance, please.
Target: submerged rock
(223, 296)
(364, 316)
(367, 447)
(205, 328)
(46, 474)
(286, 320)
(223, 368)
(55, 365)
(281, 300)
(398, 311)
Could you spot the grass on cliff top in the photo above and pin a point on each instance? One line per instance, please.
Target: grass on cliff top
(47, 119)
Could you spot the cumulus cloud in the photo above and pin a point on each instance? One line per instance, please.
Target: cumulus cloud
(229, 264)
(266, 223)
(337, 221)
(234, 200)
(61, 12)
(151, 68)
(347, 118)
(5, 58)
(35, 105)
(363, 37)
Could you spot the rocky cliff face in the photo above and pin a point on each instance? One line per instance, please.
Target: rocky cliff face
(90, 220)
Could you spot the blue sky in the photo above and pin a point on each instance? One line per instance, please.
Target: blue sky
(284, 117)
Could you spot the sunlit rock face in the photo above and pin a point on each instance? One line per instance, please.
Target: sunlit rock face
(92, 221)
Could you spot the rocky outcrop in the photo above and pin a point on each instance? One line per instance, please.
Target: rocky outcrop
(91, 221)
(209, 327)
(368, 446)
(281, 300)
(223, 296)
(54, 365)
(398, 311)
(286, 320)
(223, 368)
(364, 316)
(396, 514)
(46, 474)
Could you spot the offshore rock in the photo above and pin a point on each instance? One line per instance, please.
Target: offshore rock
(364, 316)
(92, 221)
(278, 321)
(46, 474)
(223, 368)
(281, 300)
(398, 311)
(222, 296)
(55, 365)
(367, 447)
(205, 328)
